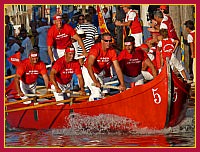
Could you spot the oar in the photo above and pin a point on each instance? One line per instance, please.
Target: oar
(10, 76)
(108, 86)
(28, 99)
(46, 104)
(67, 91)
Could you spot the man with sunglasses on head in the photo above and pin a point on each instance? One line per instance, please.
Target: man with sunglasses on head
(100, 57)
(27, 74)
(59, 38)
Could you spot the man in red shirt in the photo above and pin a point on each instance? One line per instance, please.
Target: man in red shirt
(27, 74)
(132, 20)
(100, 56)
(59, 38)
(130, 60)
(61, 74)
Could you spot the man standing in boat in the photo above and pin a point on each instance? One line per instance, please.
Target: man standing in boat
(130, 60)
(27, 74)
(59, 38)
(61, 74)
(100, 56)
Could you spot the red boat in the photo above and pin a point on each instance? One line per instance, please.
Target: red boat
(157, 104)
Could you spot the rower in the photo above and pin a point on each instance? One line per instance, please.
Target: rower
(27, 74)
(61, 74)
(130, 60)
(101, 56)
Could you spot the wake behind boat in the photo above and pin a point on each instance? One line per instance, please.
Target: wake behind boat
(157, 104)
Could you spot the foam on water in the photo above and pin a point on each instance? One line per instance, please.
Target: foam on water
(113, 124)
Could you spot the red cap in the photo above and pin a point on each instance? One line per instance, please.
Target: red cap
(57, 17)
(163, 7)
(144, 46)
(69, 50)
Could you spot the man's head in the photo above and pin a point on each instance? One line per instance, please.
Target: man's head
(145, 47)
(58, 21)
(11, 40)
(189, 25)
(164, 9)
(65, 17)
(23, 33)
(106, 39)
(129, 43)
(69, 54)
(158, 16)
(34, 56)
(126, 8)
(81, 19)
(164, 33)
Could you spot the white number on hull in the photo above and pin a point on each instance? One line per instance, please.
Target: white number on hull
(156, 96)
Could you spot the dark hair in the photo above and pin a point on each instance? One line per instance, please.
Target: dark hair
(189, 24)
(129, 39)
(34, 50)
(105, 34)
(88, 18)
(164, 32)
(80, 15)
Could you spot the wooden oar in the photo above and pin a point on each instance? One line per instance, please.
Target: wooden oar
(46, 104)
(28, 99)
(10, 76)
(108, 86)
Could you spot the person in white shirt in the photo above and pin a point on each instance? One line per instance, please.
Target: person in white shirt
(42, 44)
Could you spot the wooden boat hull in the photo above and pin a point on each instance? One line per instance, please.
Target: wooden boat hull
(149, 105)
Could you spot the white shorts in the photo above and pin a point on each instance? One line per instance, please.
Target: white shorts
(138, 39)
(27, 89)
(58, 53)
(139, 80)
(95, 91)
(147, 75)
(62, 95)
(176, 63)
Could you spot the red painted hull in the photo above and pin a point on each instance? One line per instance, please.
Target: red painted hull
(148, 104)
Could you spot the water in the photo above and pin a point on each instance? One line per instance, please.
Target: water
(96, 133)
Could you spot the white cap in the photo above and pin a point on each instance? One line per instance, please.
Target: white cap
(80, 31)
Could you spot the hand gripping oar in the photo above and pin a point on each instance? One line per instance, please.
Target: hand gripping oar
(28, 99)
(46, 104)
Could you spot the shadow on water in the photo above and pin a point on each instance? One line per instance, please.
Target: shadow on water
(106, 131)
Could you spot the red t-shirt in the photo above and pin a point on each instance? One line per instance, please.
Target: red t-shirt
(60, 39)
(131, 63)
(66, 70)
(167, 47)
(29, 73)
(103, 58)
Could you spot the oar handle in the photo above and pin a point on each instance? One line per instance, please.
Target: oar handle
(108, 86)
(10, 76)
(28, 99)
(46, 104)
(67, 91)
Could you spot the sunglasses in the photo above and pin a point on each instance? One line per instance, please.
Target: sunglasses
(107, 40)
(81, 19)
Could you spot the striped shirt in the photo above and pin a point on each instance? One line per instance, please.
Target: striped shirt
(91, 32)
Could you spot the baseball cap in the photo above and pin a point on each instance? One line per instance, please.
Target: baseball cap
(144, 46)
(163, 7)
(69, 50)
(57, 17)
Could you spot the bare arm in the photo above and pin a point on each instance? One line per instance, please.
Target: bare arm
(176, 44)
(19, 91)
(151, 66)
(50, 54)
(120, 75)
(192, 49)
(53, 80)
(80, 42)
(119, 23)
(91, 60)
(46, 80)
(81, 84)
